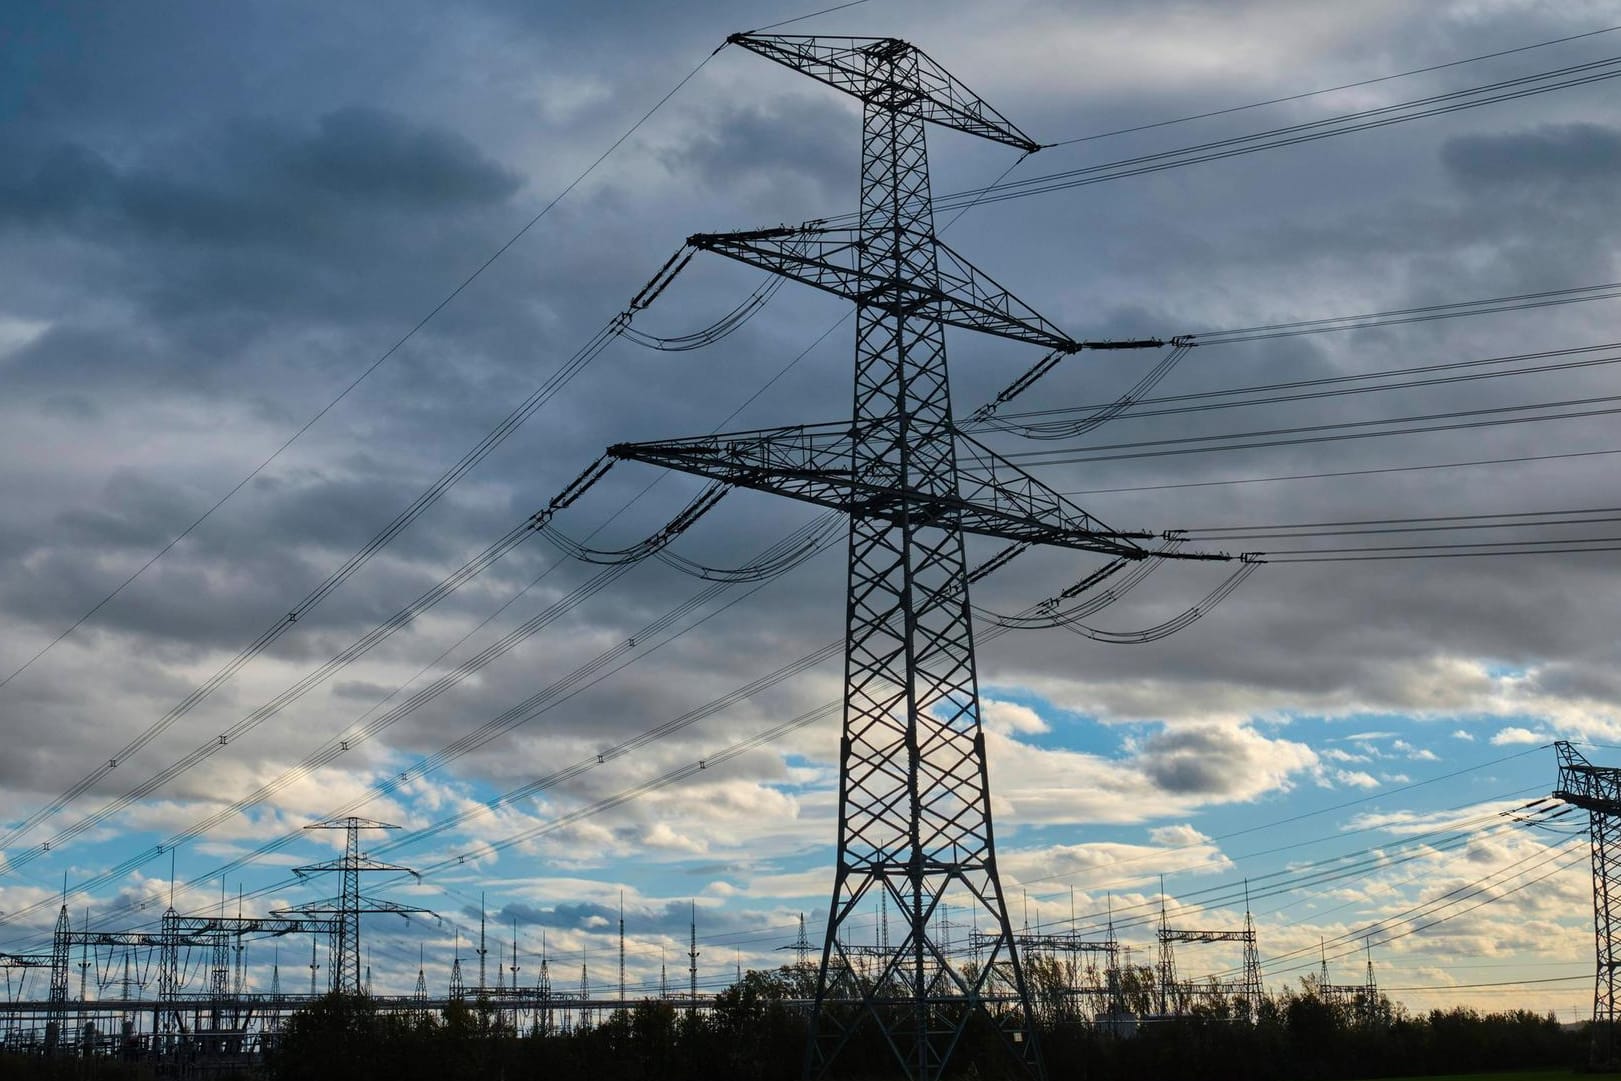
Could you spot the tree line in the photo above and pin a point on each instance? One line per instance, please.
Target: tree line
(756, 1031)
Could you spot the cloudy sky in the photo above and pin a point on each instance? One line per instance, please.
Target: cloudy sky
(216, 219)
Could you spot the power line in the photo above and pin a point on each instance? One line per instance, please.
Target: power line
(1498, 983)
(1325, 432)
(1274, 138)
(522, 713)
(1450, 775)
(362, 729)
(336, 745)
(1416, 524)
(1424, 313)
(812, 15)
(1291, 135)
(363, 376)
(1350, 472)
(332, 582)
(1330, 89)
(1462, 371)
(1443, 551)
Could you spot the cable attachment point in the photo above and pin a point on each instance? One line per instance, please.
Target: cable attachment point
(661, 280)
(573, 491)
(998, 561)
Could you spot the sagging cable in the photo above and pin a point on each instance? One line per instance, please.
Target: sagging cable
(767, 567)
(1046, 614)
(1176, 623)
(688, 516)
(1070, 428)
(713, 333)
(1018, 386)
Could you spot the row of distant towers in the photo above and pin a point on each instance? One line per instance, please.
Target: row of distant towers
(458, 983)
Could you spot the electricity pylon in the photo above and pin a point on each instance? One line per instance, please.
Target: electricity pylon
(1598, 790)
(914, 795)
(346, 908)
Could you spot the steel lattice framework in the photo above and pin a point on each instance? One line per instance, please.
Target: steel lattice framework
(346, 908)
(914, 796)
(1597, 789)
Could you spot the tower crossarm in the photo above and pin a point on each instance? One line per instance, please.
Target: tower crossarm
(812, 463)
(201, 931)
(1175, 934)
(864, 68)
(348, 863)
(335, 906)
(1051, 943)
(961, 295)
(24, 960)
(1593, 788)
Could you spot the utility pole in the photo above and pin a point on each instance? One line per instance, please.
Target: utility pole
(621, 945)
(1597, 789)
(914, 792)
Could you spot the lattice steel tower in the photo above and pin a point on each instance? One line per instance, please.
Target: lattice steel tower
(914, 797)
(1598, 790)
(344, 969)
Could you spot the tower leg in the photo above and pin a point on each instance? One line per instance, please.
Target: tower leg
(1606, 838)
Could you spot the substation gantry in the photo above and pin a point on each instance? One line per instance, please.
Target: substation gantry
(1175, 996)
(914, 795)
(1597, 789)
(1103, 1000)
(1361, 999)
(220, 1015)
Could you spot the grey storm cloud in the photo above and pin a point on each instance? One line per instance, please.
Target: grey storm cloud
(1553, 154)
(255, 183)
(1201, 761)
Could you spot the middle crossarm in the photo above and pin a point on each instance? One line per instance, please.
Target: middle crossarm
(812, 463)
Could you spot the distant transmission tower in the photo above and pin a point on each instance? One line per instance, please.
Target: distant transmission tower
(1598, 790)
(914, 796)
(692, 959)
(345, 970)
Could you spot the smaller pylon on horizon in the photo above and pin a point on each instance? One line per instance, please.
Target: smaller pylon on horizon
(345, 975)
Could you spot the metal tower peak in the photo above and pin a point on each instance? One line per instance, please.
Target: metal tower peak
(345, 973)
(889, 74)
